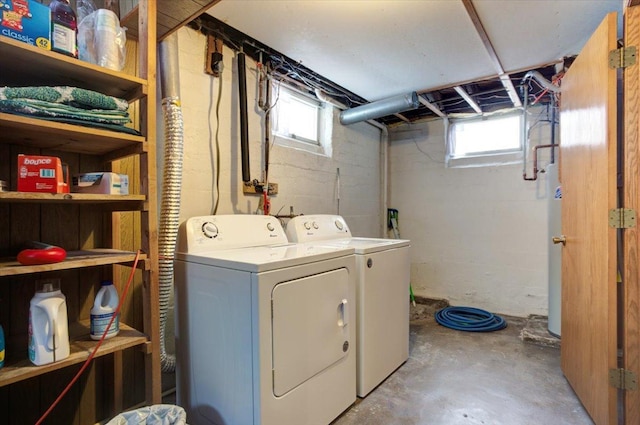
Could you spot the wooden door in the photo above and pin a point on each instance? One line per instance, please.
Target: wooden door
(631, 238)
(588, 176)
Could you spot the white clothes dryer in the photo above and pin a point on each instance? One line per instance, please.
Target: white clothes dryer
(382, 294)
(265, 330)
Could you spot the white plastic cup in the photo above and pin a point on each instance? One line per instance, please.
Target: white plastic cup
(106, 39)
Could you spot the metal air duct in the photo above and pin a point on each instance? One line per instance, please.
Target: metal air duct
(380, 108)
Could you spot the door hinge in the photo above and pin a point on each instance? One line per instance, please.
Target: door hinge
(622, 57)
(623, 379)
(622, 218)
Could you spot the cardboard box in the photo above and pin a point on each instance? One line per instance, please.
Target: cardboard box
(101, 182)
(27, 21)
(42, 174)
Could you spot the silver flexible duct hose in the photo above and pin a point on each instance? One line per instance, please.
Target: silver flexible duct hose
(543, 81)
(171, 185)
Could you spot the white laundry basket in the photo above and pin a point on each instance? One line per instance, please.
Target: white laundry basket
(158, 414)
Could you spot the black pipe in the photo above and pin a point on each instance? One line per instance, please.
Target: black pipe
(244, 123)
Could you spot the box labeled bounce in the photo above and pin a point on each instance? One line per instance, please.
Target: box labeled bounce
(42, 174)
(27, 21)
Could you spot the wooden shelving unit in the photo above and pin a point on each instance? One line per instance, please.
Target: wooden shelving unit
(98, 239)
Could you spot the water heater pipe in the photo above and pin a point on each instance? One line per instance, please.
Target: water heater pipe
(535, 161)
(548, 85)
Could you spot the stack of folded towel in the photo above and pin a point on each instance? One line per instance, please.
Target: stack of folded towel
(67, 104)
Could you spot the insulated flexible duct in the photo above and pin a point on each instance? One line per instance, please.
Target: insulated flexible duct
(171, 184)
(380, 108)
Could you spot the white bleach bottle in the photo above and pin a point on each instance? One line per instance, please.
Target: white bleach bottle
(48, 326)
(104, 307)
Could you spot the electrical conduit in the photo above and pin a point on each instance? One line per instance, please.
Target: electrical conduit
(171, 184)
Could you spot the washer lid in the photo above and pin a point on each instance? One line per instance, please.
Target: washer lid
(264, 258)
(366, 245)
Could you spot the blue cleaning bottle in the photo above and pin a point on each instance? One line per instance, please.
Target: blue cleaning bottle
(1, 346)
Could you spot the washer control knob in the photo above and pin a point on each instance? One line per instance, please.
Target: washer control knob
(210, 230)
(307, 225)
(315, 225)
(339, 225)
(270, 227)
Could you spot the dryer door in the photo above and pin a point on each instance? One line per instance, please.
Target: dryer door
(310, 327)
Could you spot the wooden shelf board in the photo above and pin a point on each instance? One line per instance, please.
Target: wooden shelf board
(74, 198)
(81, 347)
(75, 260)
(31, 65)
(34, 132)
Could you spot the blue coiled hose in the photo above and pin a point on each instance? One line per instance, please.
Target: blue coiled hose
(469, 319)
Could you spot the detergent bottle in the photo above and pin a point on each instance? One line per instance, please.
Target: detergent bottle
(104, 307)
(48, 326)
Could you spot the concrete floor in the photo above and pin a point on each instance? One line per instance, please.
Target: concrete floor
(464, 378)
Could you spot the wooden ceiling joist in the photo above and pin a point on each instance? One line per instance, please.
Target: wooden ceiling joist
(462, 92)
(432, 107)
(504, 77)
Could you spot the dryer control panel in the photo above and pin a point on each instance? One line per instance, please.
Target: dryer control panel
(215, 232)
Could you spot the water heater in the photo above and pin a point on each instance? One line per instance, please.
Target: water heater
(554, 193)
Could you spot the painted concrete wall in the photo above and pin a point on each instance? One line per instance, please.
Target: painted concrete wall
(478, 235)
(307, 182)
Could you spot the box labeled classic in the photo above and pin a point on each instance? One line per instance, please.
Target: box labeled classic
(27, 21)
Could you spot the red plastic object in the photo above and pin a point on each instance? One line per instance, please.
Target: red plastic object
(49, 254)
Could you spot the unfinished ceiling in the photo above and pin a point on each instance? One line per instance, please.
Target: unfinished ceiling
(442, 49)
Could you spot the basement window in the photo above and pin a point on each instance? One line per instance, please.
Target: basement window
(300, 121)
(493, 140)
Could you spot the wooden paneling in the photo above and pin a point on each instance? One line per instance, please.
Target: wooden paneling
(589, 186)
(631, 271)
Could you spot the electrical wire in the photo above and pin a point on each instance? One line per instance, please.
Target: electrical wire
(214, 150)
(415, 141)
(469, 319)
(95, 349)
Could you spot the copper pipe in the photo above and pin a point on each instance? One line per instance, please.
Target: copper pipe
(535, 161)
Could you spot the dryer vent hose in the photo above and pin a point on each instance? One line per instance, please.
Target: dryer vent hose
(171, 185)
(169, 216)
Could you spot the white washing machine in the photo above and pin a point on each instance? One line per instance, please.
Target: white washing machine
(382, 294)
(265, 330)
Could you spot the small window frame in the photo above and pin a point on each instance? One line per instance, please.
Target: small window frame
(488, 157)
(321, 145)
